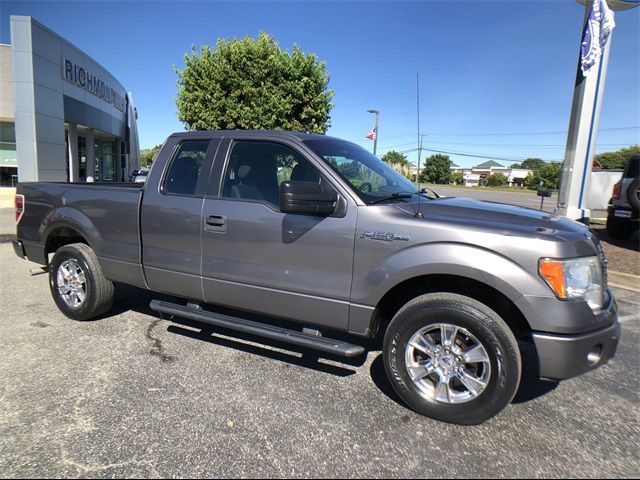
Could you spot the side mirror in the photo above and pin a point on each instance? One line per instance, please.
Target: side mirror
(306, 198)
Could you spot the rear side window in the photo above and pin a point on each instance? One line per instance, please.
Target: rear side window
(186, 165)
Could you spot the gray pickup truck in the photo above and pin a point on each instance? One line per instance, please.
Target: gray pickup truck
(316, 234)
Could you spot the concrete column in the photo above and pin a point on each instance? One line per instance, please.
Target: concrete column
(91, 156)
(118, 160)
(74, 160)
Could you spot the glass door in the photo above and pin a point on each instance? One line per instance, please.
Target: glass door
(105, 160)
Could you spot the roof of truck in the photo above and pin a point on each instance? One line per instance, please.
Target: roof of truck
(254, 133)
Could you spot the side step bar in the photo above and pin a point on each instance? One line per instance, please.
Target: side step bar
(292, 337)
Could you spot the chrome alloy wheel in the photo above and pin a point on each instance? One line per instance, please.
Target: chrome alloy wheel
(447, 364)
(71, 283)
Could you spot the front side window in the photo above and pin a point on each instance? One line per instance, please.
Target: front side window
(186, 165)
(256, 169)
(370, 177)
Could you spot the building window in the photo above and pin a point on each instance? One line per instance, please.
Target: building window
(8, 155)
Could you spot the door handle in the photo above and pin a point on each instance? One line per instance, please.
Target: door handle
(216, 220)
(216, 223)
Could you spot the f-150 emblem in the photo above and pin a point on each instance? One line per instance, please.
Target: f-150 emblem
(384, 236)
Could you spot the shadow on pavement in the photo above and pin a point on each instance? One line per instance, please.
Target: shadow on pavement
(7, 237)
(630, 243)
(128, 298)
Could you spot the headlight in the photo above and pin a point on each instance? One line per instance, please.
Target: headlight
(575, 278)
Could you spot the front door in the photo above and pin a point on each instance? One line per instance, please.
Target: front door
(257, 258)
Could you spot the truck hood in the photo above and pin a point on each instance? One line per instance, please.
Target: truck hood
(506, 219)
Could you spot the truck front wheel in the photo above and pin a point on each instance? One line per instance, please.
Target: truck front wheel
(77, 283)
(452, 358)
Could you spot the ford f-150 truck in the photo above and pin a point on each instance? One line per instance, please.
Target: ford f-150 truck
(317, 234)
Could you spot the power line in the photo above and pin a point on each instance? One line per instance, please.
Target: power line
(524, 144)
(487, 156)
(532, 133)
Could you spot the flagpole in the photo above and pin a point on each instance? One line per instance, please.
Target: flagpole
(418, 117)
(375, 130)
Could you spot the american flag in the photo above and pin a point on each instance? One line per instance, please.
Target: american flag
(372, 134)
(596, 33)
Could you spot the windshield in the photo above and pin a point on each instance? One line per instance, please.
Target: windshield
(370, 177)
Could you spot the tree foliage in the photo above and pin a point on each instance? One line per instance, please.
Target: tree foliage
(617, 159)
(548, 174)
(457, 178)
(147, 156)
(496, 180)
(399, 162)
(392, 157)
(437, 169)
(529, 164)
(253, 84)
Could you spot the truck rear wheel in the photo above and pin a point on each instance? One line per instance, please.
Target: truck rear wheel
(452, 358)
(77, 283)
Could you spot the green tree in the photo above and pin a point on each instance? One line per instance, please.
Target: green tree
(148, 156)
(395, 158)
(532, 163)
(496, 180)
(253, 84)
(457, 178)
(437, 169)
(548, 174)
(617, 159)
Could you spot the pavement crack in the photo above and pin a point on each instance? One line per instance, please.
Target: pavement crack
(157, 349)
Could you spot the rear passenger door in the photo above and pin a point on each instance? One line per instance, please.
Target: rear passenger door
(171, 218)
(259, 259)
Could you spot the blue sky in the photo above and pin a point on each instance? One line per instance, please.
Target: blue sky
(489, 71)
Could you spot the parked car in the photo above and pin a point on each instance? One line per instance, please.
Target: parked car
(139, 176)
(622, 214)
(318, 232)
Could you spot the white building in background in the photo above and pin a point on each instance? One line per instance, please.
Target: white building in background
(479, 174)
(63, 117)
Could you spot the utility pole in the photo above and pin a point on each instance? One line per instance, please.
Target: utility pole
(375, 138)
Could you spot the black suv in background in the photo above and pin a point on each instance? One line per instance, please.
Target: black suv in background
(622, 214)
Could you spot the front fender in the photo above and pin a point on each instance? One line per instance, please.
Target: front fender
(446, 258)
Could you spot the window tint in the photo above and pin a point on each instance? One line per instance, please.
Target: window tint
(256, 170)
(183, 174)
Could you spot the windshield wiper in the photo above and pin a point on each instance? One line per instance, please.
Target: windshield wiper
(397, 195)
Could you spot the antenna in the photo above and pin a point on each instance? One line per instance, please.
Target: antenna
(418, 213)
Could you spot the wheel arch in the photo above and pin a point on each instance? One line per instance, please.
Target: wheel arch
(66, 226)
(407, 290)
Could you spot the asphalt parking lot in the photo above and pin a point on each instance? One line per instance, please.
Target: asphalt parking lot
(132, 395)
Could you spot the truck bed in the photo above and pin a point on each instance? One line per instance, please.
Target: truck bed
(107, 214)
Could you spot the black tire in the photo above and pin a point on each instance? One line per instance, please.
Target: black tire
(488, 329)
(633, 193)
(618, 228)
(99, 290)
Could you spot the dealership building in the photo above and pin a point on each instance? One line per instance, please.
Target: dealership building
(63, 117)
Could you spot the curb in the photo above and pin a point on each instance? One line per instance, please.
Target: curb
(624, 280)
